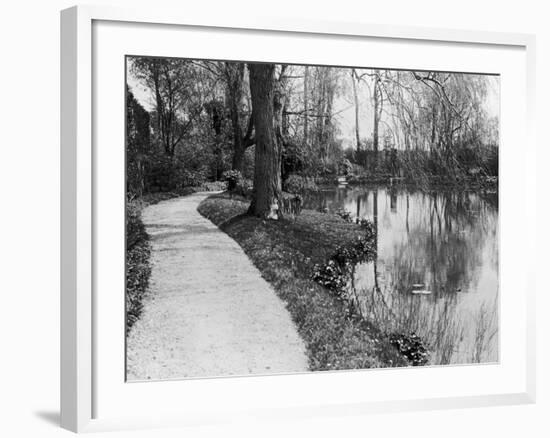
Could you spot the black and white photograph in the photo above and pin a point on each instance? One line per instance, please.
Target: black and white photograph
(286, 218)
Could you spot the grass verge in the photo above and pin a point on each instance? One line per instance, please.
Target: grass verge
(286, 252)
(138, 267)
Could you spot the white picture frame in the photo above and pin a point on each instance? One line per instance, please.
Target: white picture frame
(80, 370)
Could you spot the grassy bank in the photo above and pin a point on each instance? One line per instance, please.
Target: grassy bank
(286, 252)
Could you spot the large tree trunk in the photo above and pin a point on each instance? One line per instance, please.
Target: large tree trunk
(267, 169)
(234, 76)
(306, 103)
(238, 144)
(280, 119)
(356, 101)
(217, 125)
(234, 73)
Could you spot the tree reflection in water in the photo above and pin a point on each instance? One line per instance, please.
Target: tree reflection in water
(436, 273)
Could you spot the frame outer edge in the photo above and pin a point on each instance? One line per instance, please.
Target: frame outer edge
(76, 280)
(532, 283)
(76, 184)
(68, 342)
(276, 23)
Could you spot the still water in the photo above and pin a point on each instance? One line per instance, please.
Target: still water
(436, 271)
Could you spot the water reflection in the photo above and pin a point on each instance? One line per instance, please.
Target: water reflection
(436, 272)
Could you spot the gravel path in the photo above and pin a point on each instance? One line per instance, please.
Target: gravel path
(208, 312)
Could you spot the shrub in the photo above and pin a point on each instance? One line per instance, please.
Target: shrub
(135, 230)
(332, 276)
(299, 184)
(186, 191)
(189, 178)
(368, 226)
(344, 214)
(360, 250)
(138, 272)
(345, 167)
(336, 274)
(233, 178)
(244, 188)
(411, 347)
(237, 184)
(138, 269)
(214, 186)
(165, 174)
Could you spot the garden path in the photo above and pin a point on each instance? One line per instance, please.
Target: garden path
(208, 311)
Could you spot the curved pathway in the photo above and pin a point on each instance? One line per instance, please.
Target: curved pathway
(208, 311)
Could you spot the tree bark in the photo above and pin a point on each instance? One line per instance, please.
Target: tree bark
(238, 144)
(217, 126)
(267, 170)
(356, 99)
(234, 73)
(306, 103)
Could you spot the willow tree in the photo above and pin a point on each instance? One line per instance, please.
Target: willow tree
(378, 101)
(267, 169)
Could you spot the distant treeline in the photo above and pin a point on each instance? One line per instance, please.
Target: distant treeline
(201, 123)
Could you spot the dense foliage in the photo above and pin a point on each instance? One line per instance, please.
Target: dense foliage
(410, 346)
(299, 184)
(336, 273)
(138, 269)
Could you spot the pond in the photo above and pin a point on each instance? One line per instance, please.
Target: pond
(436, 270)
